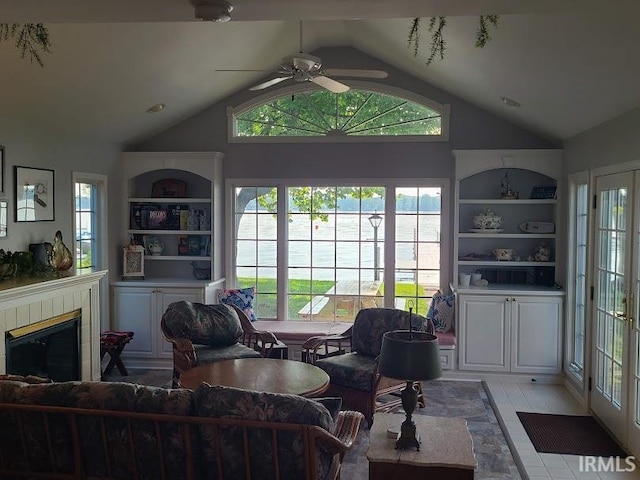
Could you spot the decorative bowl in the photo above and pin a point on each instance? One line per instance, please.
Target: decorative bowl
(201, 271)
(487, 220)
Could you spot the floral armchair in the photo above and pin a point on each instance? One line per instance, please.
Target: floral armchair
(203, 334)
(354, 375)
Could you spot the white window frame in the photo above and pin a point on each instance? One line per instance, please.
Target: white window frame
(443, 109)
(389, 218)
(101, 234)
(575, 181)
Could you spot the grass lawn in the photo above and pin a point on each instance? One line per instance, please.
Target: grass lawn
(299, 295)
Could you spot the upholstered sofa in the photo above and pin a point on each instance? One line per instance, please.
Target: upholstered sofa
(74, 430)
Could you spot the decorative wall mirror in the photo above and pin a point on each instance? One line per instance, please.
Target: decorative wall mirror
(3, 219)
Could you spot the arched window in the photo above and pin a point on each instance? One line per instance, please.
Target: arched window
(360, 114)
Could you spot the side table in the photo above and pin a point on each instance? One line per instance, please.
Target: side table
(446, 449)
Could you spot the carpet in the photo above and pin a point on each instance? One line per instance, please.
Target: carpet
(569, 434)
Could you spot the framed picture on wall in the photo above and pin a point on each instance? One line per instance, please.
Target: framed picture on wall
(34, 193)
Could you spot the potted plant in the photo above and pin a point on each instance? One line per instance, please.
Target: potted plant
(8, 267)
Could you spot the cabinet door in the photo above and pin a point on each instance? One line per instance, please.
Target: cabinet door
(166, 296)
(484, 336)
(536, 331)
(133, 310)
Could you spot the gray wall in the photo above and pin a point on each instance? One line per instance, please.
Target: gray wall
(613, 142)
(30, 146)
(470, 128)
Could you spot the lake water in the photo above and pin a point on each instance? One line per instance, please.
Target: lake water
(342, 247)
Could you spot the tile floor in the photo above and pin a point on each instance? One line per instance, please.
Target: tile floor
(540, 398)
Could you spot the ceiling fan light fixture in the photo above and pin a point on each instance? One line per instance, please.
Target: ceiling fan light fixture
(212, 10)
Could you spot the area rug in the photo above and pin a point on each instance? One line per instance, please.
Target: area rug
(569, 434)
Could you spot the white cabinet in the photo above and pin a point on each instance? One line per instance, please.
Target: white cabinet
(138, 306)
(185, 226)
(510, 333)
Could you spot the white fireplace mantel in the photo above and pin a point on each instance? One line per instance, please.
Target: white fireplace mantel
(29, 301)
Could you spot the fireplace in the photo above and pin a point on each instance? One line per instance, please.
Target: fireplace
(49, 349)
(30, 301)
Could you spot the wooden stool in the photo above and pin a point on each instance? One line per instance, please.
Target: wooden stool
(113, 343)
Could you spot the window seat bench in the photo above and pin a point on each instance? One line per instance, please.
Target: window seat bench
(295, 333)
(447, 343)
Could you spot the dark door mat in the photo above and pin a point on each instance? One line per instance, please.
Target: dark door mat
(569, 434)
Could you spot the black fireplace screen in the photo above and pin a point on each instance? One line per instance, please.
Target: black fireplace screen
(50, 352)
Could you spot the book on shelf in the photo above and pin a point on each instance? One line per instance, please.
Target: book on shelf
(142, 211)
(205, 246)
(193, 244)
(175, 216)
(158, 220)
(183, 245)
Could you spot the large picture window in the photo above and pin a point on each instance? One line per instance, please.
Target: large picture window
(319, 253)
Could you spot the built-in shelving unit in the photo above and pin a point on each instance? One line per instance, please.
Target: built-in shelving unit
(138, 304)
(514, 324)
(189, 223)
(480, 176)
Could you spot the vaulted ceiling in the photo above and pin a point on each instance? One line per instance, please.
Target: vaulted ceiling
(571, 64)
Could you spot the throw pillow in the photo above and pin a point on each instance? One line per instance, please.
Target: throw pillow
(240, 297)
(441, 311)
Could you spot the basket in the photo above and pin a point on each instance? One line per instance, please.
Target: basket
(201, 271)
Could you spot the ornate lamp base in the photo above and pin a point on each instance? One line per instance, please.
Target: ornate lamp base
(408, 437)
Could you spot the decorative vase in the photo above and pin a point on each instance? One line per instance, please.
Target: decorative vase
(59, 256)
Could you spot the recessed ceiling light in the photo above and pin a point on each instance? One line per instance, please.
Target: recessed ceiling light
(158, 107)
(509, 102)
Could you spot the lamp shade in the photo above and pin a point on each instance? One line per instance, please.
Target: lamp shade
(409, 355)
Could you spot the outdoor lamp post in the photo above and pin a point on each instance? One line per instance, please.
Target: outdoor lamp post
(375, 220)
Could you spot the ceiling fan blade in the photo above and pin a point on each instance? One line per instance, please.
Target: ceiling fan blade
(241, 70)
(354, 72)
(268, 83)
(329, 84)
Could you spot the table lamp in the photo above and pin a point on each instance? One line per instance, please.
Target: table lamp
(411, 356)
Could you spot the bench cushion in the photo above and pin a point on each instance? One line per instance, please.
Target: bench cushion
(229, 402)
(216, 325)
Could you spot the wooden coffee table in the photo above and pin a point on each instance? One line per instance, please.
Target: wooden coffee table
(261, 374)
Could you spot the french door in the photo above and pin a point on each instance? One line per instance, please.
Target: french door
(615, 366)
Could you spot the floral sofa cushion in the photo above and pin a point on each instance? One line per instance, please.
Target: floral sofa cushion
(371, 324)
(228, 402)
(441, 311)
(98, 395)
(214, 325)
(242, 298)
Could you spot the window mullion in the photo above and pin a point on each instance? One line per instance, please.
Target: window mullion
(282, 247)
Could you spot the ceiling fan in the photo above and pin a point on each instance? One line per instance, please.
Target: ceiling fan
(303, 67)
